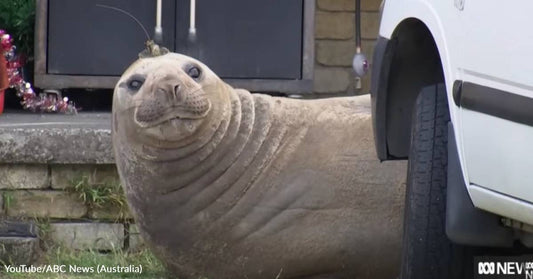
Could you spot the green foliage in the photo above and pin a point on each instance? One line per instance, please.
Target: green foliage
(17, 17)
(44, 229)
(100, 195)
(8, 198)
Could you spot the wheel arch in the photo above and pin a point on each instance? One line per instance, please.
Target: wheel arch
(410, 54)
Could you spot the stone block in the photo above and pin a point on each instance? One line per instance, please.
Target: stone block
(331, 80)
(80, 236)
(334, 25)
(368, 48)
(11, 228)
(341, 53)
(111, 212)
(370, 5)
(65, 176)
(335, 53)
(135, 239)
(46, 204)
(17, 251)
(369, 25)
(348, 5)
(22, 176)
(84, 138)
(336, 5)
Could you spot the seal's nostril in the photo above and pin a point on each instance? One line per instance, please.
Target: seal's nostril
(177, 95)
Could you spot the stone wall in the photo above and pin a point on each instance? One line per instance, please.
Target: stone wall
(335, 45)
(57, 172)
(47, 195)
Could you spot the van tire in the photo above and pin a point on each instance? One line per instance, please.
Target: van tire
(427, 252)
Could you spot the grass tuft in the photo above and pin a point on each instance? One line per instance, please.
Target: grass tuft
(99, 195)
(8, 198)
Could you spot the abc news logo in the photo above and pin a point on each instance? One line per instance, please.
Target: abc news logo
(511, 269)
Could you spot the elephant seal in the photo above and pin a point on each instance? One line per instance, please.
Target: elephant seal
(227, 184)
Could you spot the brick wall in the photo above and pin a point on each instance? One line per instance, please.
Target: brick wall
(45, 193)
(335, 45)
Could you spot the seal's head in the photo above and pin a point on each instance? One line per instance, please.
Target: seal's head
(165, 99)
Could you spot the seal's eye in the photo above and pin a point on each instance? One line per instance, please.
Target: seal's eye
(135, 83)
(194, 72)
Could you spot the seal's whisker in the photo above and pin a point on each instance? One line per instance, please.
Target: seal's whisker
(128, 14)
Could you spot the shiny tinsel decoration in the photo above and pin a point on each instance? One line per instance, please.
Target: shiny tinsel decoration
(30, 100)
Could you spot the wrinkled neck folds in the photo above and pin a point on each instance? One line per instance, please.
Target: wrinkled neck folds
(244, 133)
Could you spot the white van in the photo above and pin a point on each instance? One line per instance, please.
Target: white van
(452, 91)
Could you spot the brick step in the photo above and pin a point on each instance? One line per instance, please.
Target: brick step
(31, 138)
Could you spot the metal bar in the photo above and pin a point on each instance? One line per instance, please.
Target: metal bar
(308, 60)
(41, 27)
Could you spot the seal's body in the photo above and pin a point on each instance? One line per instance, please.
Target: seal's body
(226, 184)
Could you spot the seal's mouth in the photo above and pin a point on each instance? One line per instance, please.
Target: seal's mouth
(172, 127)
(163, 107)
(173, 117)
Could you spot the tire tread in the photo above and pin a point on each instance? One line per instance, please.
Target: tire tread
(427, 251)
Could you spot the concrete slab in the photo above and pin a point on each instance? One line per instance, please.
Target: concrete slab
(19, 250)
(46, 204)
(80, 236)
(84, 138)
(18, 242)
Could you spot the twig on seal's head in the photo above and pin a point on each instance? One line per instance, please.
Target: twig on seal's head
(151, 48)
